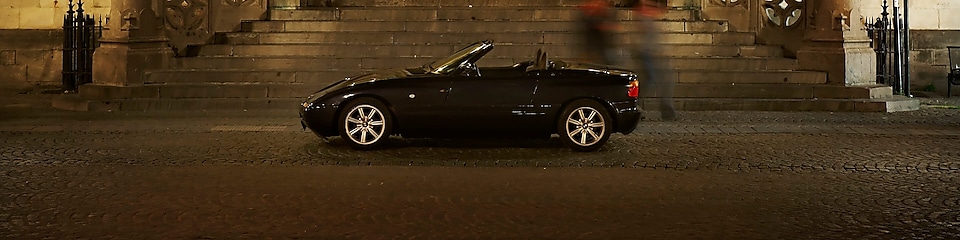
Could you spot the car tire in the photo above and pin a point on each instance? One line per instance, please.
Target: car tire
(584, 125)
(365, 124)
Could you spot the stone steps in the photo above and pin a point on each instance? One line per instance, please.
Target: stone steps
(301, 63)
(245, 76)
(201, 90)
(330, 75)
(409, 50)
(889, 104)
(390, 14)
(434, 26)
(78, 103)
(463, 38)
(779, 91)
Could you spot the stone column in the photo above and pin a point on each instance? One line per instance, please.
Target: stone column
(835, 41)
(132, 42)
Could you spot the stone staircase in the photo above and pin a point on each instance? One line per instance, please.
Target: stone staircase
(276, 63)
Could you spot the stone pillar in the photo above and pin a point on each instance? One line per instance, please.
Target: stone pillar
(835, 41)
(132, 42)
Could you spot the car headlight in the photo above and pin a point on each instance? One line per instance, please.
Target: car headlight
(312, 98)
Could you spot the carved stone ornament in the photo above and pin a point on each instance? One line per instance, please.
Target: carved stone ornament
(239, 3)
(841, 19)
(186, 23)
(130, 20)
(728, 3)
(783, 13)
(185, 15)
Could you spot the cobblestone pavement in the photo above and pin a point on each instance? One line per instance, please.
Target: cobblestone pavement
(257, 175)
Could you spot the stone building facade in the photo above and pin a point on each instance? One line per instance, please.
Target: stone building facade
(811, 31)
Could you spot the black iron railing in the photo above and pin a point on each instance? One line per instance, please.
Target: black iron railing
(888, 35)
(80, 38)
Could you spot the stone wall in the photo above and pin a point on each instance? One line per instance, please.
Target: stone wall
(31, 39)
(30, 57)
(929, 58)
(43, 14)
(934, 25)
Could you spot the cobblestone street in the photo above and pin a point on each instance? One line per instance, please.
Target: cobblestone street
(258, 175)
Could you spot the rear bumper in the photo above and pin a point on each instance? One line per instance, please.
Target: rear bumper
(628, 116)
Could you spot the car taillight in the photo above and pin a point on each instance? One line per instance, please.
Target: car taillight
(633, 89)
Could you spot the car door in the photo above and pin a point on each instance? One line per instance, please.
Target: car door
(417, 103)
(490, 105)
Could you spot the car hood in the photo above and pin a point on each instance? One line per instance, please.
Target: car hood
(378, 75)
(365, 78)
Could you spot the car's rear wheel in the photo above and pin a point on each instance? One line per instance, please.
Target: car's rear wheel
(584, 126)
(365, 124)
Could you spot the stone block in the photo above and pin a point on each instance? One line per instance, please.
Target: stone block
(759, 51)
(43, 66)
(8, 57)
(466, 38)
(735, 38)
(94, 3)
(739, 77)
(267, 26)
(24, 39)
(554, 14)
(372, 14)
(922, 17)
(11, 18)
(948, 17)
(934, 39)
(105, 92)
(220, 76)
(292, 90)
(213, 91)
(679, 38)
(333, 37)
(704, 26)
(40, 18)
(243, 38)
(902, 105)
(22, 3)
(284, 4)
(324, 78)
(732, 64)
(305, 15)
(13, 76)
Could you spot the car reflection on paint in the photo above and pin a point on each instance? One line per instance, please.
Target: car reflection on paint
(454, 98)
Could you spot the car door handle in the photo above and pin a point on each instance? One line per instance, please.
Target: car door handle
(444, 90)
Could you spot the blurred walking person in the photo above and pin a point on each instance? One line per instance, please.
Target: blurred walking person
(649, 58)
(598, 26)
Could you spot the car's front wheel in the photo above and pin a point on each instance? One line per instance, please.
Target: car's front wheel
(584, 125)
(365, 124)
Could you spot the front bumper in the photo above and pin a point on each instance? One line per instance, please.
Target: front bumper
(320, 119)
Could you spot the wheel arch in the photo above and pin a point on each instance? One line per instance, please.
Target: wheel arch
(348, 100)
(607, 105)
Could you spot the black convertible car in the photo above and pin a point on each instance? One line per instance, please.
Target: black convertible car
(452, 98)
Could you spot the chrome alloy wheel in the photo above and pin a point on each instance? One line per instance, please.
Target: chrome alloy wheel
(585, 126)
(364, 124)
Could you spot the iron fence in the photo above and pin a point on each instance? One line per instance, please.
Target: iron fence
(889, 41)
(80, 38)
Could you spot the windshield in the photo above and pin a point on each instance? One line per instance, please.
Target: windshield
(452, 62)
